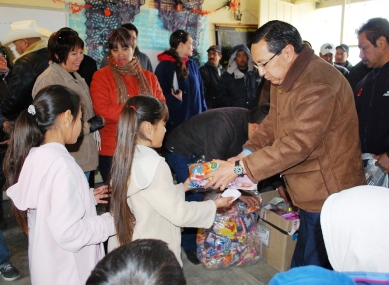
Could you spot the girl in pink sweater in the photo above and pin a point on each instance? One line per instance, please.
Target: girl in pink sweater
(52, 200)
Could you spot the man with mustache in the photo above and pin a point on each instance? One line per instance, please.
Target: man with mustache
(372, 93)
(210, 73)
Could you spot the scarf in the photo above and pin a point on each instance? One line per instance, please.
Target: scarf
(133, 68)
(164, 56)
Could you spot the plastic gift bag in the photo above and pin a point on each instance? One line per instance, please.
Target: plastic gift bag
(198, 170)
(233, 239)
(374, 175)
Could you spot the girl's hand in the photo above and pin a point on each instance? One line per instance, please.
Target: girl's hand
(222, 202)
(177, 95)
(186, 185)
(101, 194)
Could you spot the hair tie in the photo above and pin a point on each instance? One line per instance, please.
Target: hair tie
(31, 110)
(133, 107)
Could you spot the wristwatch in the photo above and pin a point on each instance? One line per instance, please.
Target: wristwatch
(238, 169)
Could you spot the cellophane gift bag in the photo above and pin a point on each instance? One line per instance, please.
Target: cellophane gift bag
(374, 175)
(232, 240)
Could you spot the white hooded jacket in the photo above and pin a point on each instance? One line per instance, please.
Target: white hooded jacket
(355, 225)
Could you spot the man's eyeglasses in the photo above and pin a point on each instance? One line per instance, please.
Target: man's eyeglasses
(3, 55)
(258, 65)
(64, 35)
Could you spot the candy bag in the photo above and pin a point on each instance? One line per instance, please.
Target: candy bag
(233, 239)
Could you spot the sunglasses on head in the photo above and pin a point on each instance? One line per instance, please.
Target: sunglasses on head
(64, 35)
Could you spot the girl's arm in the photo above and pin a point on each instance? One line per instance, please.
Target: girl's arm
(73, 221)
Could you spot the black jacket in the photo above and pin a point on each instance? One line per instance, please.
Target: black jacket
(17, 87)
(211, 76)
(357, 73)
(243, 92)
(372, 103)
(217, 133)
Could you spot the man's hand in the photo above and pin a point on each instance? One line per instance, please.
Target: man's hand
(382, 162)
(221, 176)
(250, 200)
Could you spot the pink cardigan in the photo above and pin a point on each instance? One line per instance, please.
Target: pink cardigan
(65, 234)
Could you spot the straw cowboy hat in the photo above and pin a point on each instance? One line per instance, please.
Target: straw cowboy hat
(24, 30)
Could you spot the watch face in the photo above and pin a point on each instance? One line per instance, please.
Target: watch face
(238, 170)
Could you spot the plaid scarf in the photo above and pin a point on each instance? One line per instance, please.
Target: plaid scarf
(133, 68)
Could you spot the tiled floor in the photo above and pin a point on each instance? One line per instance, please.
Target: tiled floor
(259, 273)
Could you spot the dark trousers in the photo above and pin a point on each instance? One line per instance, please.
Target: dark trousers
(105, 163)
(179, 164)
(310, 248)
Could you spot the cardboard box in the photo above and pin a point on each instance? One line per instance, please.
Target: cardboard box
(277, 248)
(289, 226)
(278, 236)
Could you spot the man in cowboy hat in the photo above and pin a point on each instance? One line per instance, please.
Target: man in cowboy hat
(33, 60)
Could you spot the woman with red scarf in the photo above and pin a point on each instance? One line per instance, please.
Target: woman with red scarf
(113, 85)
(180, 80)
(182, 86)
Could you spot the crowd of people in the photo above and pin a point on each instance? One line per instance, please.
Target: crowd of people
(276, 109)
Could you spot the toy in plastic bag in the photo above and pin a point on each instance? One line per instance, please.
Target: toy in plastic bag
(198, 170)
(233, 239)
(374, 175)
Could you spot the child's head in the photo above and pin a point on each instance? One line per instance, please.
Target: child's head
(33, 123)
(49, 103)
(143, 261)
(256, 116)
(141, 122)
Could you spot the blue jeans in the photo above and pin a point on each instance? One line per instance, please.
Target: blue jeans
(310, 248)
(4, 253)
(179, 164)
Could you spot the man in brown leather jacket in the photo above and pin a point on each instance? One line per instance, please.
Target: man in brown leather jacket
(310, 135)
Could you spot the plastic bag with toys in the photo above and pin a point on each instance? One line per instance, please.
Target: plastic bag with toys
(233, 238)
(198, 170)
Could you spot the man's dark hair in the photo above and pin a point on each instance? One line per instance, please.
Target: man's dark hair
(375, 28)
(278, 35)
(258, 113)
(130, 27)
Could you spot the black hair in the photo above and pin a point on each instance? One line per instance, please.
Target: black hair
(177, 37)
(375, 28)
(143, 261)
(130, 27)
(30, 129)
(62, 42)
(120, 36)
(258, 113)
(138, 109)
(278, 35)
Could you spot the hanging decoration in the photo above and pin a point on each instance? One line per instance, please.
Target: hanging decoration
(104, 16)
(74, 7)
(233, 5)
(176, 15)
